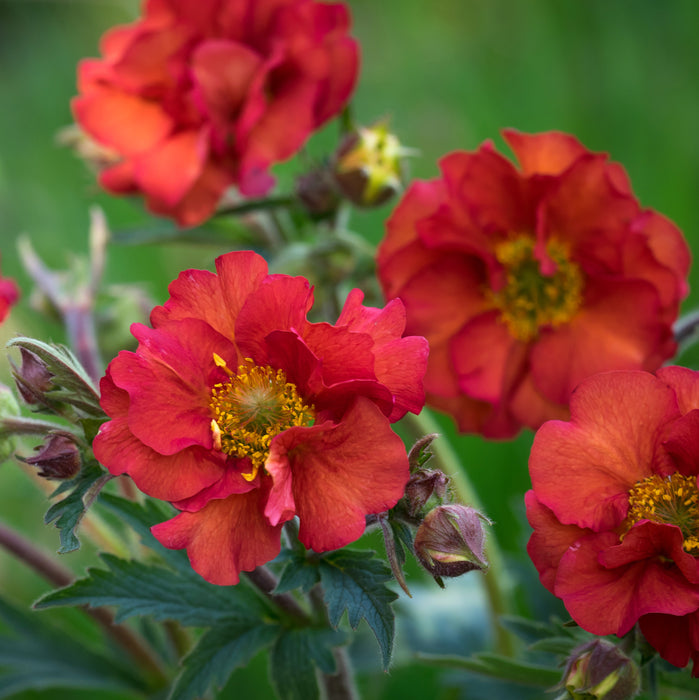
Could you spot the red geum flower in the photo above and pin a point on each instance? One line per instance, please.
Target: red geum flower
(9, 294)
(243, 414)
(615, 508)
(197, 95)
(525, 281)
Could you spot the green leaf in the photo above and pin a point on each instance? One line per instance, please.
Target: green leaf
(74, 385)
(68, 512)
(136, 588)
(533, 630)
(500, 667)
(37, 656)
(141, 517)
(218, 653)
(293, 659)
(355, 581)
(299, 572)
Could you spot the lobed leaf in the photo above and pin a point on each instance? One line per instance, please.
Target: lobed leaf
(222, 649)
(299, 572)
(294, 657)
(136, 588)
(356, 582)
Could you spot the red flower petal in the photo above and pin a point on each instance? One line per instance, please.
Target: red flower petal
(214, 298)
(279, 303)
(170, 171)
(224, 538)
(675, 638)
(126, 123)
(549, 541)
(584, 469)
(339, 473)
(624, 593)
(617, 328)
(169, 382)
(544, 154)
(169, 477)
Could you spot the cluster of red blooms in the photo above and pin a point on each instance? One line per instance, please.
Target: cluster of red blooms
(546, 292)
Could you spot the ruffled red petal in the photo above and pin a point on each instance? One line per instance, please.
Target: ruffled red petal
(225, 537)
(339, 473)
(583, 470)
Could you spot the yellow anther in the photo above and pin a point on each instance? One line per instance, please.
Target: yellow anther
(671, 500)
(530, 300)
(251, 408)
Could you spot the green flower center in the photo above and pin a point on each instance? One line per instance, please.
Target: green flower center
(672, 500)
(253, 406)
(529, 298)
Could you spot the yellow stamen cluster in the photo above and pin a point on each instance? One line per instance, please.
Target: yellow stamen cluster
(530, 299)
(251, 408)
(673, 500)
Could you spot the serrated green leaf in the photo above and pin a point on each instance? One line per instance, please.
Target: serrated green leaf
(293, 659)
(74, 386)
(218, 653)
(355, 581)
(136, 588)
(69, 511)
(37, 656)
(141, 517)
(299, 572)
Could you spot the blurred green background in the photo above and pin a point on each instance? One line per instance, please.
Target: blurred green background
(620, 75)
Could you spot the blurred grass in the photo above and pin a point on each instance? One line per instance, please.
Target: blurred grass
(621, 76)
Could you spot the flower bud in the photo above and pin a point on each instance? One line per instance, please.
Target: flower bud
(33, 378)
(599, 670)
(317, 192)
(58, 457)
(368, 166)
(423, 484)
(450, 540)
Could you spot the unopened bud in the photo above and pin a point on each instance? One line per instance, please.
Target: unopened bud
(58, 457)
(423, 484)
(450, 540)
(33, 378)
(368, 165)
(599, 670)
(317, 192)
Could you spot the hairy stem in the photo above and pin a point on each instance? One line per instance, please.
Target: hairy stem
(494, 581)
(59, 576)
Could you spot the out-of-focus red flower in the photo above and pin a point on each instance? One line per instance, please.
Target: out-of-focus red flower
(198, 95)
(9, 294)
(525, 281)
(615, 508)
(244, 414)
